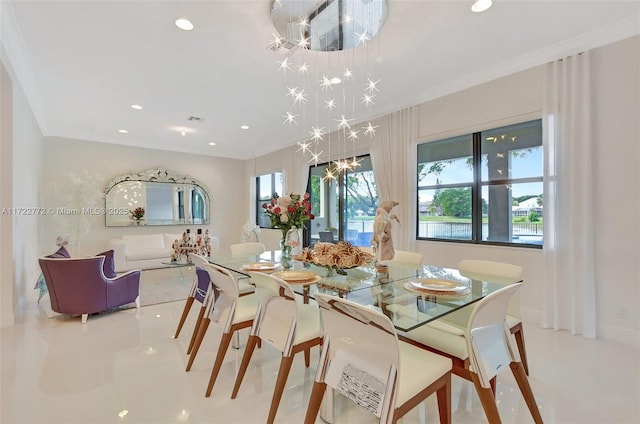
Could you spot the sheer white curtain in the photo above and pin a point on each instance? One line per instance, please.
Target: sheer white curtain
(296, 171)
(569, 297)
(394, 170)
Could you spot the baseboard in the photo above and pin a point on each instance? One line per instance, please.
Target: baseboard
(605, 332)
(619, 335)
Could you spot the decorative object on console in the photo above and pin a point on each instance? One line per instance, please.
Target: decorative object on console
(181, 248)
(382, 240)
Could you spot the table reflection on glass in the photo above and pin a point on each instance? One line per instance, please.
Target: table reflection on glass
(399, 293)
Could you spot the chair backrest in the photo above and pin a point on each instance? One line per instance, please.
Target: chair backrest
(203, 283)
(496, 272)
(360, 355)
(490, 343)
(404, 256)
(221, 310)
(276, 321)
(76, 285)
(247, 249)
(326, 236)
(499, 272)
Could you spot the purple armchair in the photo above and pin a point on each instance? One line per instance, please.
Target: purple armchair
(79, 286)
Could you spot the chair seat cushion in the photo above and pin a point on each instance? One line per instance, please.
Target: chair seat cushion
(141, 254)
(440, 324)
(418, 369)
(246, 308)
(441, 340)
(244, 287)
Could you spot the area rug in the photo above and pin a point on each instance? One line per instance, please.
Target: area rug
(165, 285)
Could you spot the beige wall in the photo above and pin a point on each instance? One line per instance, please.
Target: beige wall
(6, 179)
(21, 164)
(616, 107)
(223, 178)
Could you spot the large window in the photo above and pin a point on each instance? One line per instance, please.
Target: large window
(345, 204)
(484, 187)
(267, 186)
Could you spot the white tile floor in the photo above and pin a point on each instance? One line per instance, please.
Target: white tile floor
(55, 370)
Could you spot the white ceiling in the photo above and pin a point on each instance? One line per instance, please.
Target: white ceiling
(83, 63)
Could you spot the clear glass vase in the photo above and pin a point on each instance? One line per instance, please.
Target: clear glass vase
(291, 245)
(293, 239)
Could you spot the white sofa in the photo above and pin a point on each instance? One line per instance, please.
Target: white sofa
(141, 251)
(146, 251)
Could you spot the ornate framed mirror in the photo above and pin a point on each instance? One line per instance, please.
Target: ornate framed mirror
(155, 197)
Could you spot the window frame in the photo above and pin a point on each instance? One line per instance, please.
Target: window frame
(259, 200)
(477, 186)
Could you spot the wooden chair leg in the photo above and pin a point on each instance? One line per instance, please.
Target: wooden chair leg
(523, 383)
(281, 382)
(222, 351)
(204, 324)
(315, 401)
(196, 328)
(487, 399)
(307, 357)
(183, 318)
(444, 401)
(518, 334)
(246, 358)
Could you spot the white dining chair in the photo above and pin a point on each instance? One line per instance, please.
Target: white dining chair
(495, 272)
(492, 347)
(485, 347)
(198, 292)
(288, 326)
(247, 249)
(363, 360)
(227, 309)
(407, 257)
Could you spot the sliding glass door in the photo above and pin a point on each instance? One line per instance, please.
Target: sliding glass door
(344, 202)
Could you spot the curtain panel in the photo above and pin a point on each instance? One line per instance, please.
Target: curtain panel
(391, 159)
(569, 286)
(296, 171)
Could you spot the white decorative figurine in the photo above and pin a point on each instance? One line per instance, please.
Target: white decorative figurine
(382, 240)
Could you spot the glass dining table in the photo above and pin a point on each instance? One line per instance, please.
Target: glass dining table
(410, 295)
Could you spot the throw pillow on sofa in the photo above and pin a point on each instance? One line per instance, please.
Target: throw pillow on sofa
(60, 253)
(109, 266)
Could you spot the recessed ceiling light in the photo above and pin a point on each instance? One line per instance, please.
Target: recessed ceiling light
(184, 24)
(212, 144)
(481, 5)
(136, 107)
(123, 131)
(244, 127)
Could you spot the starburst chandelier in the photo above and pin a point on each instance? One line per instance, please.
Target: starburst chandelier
(329, 73)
